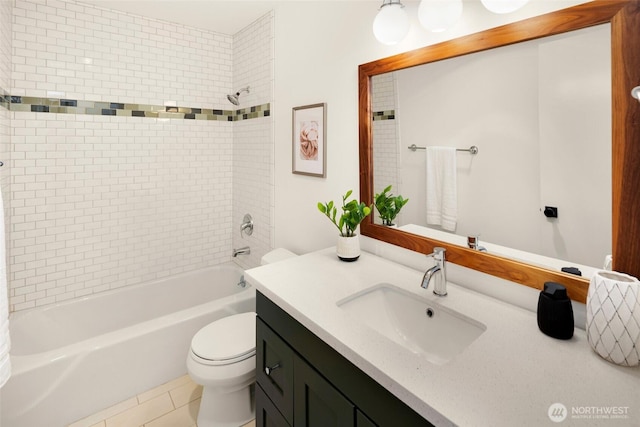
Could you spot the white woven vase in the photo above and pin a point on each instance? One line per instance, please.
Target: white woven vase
(613, 317)
(348, 248)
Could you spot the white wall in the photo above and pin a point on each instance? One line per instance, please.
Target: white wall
(542, 122)
(489, 101)
(576, 152)
(317, 60)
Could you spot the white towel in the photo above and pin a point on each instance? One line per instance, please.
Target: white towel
(5, 342)
(442, 195)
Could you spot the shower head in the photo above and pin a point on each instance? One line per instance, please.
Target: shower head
(234, 99)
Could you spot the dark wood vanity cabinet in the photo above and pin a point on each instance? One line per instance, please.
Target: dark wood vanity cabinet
(303, 382)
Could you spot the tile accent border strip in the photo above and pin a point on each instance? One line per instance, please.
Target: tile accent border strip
(5, 99)
(99, 108)
(383, 115)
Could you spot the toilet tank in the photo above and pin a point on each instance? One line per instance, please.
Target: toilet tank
(276, 255)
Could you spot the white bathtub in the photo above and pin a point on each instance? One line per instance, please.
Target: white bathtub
(75, 358)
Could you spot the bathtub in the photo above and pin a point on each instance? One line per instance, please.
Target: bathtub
(72, 359)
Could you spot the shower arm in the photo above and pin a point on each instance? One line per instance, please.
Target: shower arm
(244, 89)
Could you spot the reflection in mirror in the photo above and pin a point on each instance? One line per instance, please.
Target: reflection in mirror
(623, 17)
(540, 113)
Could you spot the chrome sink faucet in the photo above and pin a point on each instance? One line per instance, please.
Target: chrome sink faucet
(439, 271)
(474, 243)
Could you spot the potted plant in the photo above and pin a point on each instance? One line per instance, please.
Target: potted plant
(388, 206)
(353, 212)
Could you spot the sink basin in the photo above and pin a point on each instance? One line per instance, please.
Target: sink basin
(417, 324)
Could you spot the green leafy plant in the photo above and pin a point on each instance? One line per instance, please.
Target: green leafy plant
(388, 206)
(352, 214)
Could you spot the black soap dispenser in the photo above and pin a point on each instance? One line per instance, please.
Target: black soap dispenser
(555, 314)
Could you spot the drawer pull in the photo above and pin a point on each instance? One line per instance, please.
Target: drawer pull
(268, 370)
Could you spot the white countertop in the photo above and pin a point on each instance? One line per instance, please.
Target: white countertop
(509, 376)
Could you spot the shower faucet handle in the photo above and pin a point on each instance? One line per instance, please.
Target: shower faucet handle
(246, 226)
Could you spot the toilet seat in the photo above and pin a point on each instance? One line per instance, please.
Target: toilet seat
(226, 341)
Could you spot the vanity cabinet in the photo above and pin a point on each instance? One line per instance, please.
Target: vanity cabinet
(303, 382)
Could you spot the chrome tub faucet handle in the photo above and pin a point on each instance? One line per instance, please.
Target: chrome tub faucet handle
(246, 226)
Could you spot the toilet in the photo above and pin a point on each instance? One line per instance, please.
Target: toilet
(222, 359)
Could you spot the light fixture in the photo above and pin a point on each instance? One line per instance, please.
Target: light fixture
(635, 92)
(391, 24)
(439, 15)
(503, 6)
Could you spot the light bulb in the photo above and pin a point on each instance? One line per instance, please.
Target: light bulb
(503, 6)
(439, 15)
(391, 24)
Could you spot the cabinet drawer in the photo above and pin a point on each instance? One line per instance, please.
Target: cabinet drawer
(274, 370)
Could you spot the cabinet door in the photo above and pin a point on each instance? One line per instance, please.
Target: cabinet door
(316, 402)
(274, 369)
(267, 415)
(363, 421)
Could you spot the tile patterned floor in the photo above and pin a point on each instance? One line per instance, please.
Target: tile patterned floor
(174, 404)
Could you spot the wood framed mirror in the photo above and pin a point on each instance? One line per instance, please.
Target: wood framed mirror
(624, 19)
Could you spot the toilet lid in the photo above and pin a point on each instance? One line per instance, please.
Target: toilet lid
(231, 337)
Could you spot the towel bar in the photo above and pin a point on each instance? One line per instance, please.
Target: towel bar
(473, 149)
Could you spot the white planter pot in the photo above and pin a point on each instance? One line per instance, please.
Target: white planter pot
(348, 248)
(613, 317)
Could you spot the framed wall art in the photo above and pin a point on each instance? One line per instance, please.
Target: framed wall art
(309, 140)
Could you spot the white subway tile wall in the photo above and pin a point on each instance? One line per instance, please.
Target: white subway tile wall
(65, 49)
(5, 116)
(385, 135)
(386, 156)
(253, 147)
(253, 61)
(100, 202)
(5, 44)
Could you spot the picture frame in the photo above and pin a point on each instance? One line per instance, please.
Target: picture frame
(309, 143)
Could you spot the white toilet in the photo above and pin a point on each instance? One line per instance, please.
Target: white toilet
(222, 359)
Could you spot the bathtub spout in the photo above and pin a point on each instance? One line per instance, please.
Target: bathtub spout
(242, 251)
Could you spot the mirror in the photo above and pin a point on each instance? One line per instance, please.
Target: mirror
(623, 17)
(540, 113)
